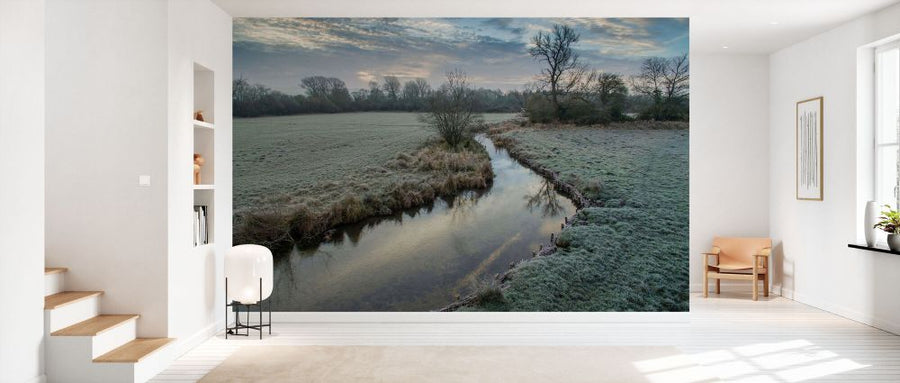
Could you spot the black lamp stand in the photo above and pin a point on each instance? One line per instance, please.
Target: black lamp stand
(246, 326)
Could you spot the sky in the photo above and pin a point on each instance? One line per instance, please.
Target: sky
(278, 52)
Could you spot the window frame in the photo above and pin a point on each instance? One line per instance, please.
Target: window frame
(879, 144)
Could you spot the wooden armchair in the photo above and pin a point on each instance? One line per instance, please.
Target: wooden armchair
(738, 258)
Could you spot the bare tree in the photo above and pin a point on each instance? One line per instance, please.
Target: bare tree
(562, 70)
(375, 93)
(606, 92)
(360, 96)
(677, 77)
(609, 86)
(392, 87)
(321, 86)
(650, 80)
(327, 91)
(414, 93)
(423, 86)
(240, 90)
(451, 109)
(666, 81)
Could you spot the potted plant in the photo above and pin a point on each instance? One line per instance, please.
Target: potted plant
(890, 223)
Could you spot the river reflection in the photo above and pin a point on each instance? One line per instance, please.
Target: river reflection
(420, 260)
(545, 200)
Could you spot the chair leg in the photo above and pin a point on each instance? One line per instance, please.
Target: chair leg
(766, 284)
(705, 279)
(755, 284)
(718, 286)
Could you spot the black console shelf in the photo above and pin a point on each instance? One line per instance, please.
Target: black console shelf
(879, 249)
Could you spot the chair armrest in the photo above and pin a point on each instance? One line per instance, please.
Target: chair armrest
(766, 252)
(714, 252)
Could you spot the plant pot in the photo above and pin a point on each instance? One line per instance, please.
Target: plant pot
(871, 218)
(893, 241)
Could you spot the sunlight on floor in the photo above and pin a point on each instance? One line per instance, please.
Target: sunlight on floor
(730, 338)
(782, 362)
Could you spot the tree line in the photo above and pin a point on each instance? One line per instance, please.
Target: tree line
(330, 95)
(565, 90)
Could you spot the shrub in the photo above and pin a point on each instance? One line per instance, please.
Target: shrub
(488, 296)
(582, 112)
(264, 227)
(451, 110)
(539, 109)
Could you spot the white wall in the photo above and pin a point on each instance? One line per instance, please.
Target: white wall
(22, 189)
(119, 105)
(198, 32)
(729, 151)
(816, 267)
(106, 125)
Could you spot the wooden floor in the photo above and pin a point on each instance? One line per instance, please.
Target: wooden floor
(773, 340)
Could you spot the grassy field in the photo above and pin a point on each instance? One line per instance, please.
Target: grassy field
(629, 250)
(297, 176)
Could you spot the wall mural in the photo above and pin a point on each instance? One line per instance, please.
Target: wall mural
(465, 164)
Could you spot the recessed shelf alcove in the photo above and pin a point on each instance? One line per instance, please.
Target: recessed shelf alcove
(204, 144)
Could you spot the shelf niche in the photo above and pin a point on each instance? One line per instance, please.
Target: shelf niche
(204, 144)
(204, 96)
(206, 197)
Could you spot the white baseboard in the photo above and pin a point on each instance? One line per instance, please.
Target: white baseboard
(481, 317)
(37, 379)
(789, 294)
(870, 320)
(182, 346)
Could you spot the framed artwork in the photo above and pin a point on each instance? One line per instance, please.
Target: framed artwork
(809, 149)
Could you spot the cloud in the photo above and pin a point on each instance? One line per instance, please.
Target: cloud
(366, 76)
(279, 51)
(507, 24)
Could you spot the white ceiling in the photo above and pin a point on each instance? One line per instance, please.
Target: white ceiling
(744, 26)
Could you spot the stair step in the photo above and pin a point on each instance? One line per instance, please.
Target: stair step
(96, 325)
(67, 297)
(54, 279)
(54, 270)
(134, 351)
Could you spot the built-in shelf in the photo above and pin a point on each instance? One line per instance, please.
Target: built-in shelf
(877, 248)
(203, 124)
(205, 144)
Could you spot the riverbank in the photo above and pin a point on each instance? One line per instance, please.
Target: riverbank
(298, 177)
(409, 180)
(426, 257)
(626, 249)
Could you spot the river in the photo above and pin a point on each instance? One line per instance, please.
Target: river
(422, 259)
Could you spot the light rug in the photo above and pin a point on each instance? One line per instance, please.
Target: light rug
(521, 364)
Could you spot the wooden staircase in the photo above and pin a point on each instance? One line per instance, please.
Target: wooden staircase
(83, 345)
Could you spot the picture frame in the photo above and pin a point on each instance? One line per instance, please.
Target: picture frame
(809, 166)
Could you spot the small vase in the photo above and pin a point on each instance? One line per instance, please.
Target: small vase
(871, 216)
(893, 241)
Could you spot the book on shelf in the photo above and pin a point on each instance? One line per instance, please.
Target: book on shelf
(201, 230)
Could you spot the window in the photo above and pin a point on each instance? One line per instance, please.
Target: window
(887, 124)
